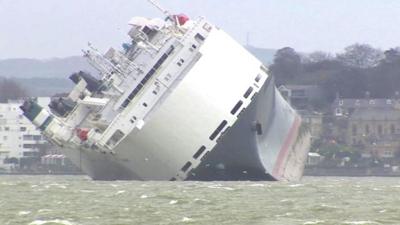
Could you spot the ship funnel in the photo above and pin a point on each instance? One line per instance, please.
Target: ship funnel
(30, 109)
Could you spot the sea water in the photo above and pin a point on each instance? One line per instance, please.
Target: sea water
(77, 200)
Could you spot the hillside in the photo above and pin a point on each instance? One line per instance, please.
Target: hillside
(43, 77)
(51, 68)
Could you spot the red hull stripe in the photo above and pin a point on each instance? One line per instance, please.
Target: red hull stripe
(283, 153)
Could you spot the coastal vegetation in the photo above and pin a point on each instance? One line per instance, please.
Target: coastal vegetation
(358, 70)
(11, 90)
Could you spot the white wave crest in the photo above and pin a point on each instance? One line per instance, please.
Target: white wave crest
(314, 222)
(23, 213)
(360, 222)
(187, 219)
(44, 222)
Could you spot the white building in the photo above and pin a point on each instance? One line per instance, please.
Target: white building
(19, 138)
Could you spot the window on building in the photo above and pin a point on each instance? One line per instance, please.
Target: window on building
(380, 129)
(5, 138)
(392, 129)
(37, 137)
(354, 129)
(30, 154)
(29, 146)
(367, 129)
(28, 137)
(22, 129)
(388, 153)
(339, 112)
(6, 129)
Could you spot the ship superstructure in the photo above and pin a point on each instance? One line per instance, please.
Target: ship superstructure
(182, 100)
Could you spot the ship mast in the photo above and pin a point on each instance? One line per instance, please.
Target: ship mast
(159, 7)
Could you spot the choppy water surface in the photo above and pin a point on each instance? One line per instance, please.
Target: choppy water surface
(77, 200)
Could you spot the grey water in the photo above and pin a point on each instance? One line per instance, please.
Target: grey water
(77, 200)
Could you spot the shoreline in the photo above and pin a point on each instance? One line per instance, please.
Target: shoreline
(41, 174)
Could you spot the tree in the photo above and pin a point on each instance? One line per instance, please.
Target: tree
(318, 56)
(392, 55)
(361, 56)
(9, 89)
(287, 64)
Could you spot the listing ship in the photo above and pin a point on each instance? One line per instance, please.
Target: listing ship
(181, 101)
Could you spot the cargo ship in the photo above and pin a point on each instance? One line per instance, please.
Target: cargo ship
(181, 101)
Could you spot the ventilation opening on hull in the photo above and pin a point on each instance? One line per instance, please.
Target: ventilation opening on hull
(237, 107)
(248, 92)
(264, 69)
(258, 78)
(199, 37)
(186, 166)
(199, 152)
(218, 130)
(117, 136)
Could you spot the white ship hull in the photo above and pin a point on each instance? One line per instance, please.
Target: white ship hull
(278, 153)
(211, 112)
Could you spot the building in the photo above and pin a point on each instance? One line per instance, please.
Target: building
(301, 97)
(376, 129)
(314, 122)
(19, 138)
(372, 125)
(345, 107)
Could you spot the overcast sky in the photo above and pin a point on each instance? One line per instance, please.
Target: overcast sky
(59, 28)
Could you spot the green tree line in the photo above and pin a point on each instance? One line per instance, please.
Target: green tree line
(351, 74)
(10, 90)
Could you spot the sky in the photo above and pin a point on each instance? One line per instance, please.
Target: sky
(59, 28)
